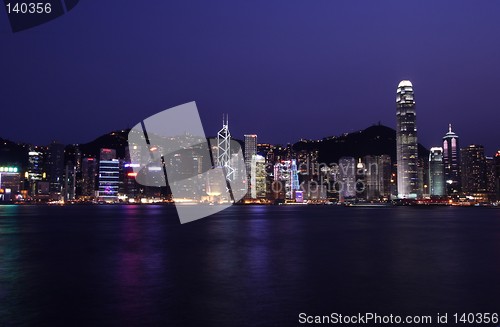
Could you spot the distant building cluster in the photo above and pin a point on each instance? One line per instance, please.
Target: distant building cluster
(273, 173)
(56, 174)
(454, 173)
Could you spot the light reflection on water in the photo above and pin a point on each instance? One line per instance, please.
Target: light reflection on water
(246, 266)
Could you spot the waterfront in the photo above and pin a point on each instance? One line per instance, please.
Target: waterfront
(246, 266)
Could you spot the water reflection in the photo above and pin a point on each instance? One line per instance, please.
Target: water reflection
(248, 265)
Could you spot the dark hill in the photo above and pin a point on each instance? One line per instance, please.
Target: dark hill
(374, 140)
(12, 154)
(115, 140)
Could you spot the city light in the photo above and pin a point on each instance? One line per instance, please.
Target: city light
(9, 170)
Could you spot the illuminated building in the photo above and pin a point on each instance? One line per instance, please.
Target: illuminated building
(89, 173)
(214, 187)
(377, 177)
(299, 196)
(224, 149)
(490, 177)
(312, 190)
(436, 172)
(451, 162)
(258, 177)
(35, 165)
(250, 151)
(406, 141)
(69, 187)
(74, 154)
(42, 191)
(496, 161)
(278, 153)
(55, 167)
(10, 182)
(186, 167)
(263, 148)
(109, 171)
(286, 173)
(250, 148)
(346, 178)
(73, 172)
(130, 186)
(35, 169)
(308, 164)
(473, 169)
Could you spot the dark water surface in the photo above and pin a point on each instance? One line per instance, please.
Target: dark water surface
(247, 266)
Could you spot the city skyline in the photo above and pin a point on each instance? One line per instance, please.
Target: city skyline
(335, 71)
(57, 172)
(249, 163)
(241, 138)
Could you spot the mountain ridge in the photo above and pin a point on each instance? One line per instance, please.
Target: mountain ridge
(373, 140)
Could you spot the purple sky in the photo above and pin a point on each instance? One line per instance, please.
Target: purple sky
(281, 69)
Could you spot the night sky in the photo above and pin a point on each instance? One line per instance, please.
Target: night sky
(283, 70)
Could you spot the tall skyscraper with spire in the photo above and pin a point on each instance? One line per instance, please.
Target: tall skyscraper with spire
(224, 149)
(451, 162)
(406, 141)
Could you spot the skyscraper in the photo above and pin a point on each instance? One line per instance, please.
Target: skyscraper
(286, 172)
(436, 172)
(109, 171)
(406, 141)
(224, 149)
(490, 178)
(69, 186)
(377, 177)
(36, 172)
(473, 169)
(55, 167)
(89, 173)
(258, 173)
(347, 178)
(496, 161)
(451, 162)
(250, 151)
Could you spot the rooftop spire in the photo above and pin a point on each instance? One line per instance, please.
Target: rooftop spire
(225, 119)
(449, 128)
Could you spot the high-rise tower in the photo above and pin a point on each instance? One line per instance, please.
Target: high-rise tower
(406, 141)
(436, 177)
(55, 167)
(109, 174)
(224, 149)
(473, 170)
(451, 162)
(250, 149)
(496, 160)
